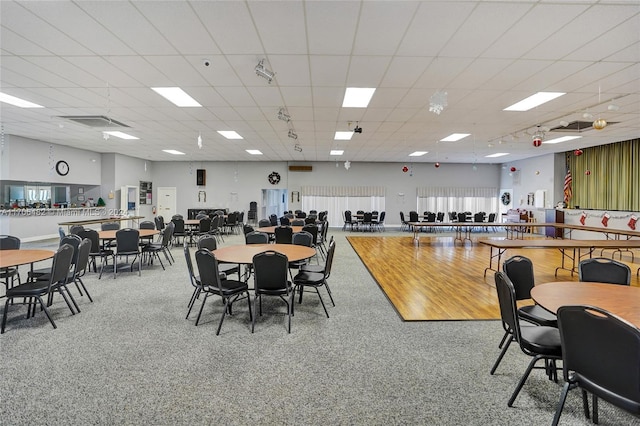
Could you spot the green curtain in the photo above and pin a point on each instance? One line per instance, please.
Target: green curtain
(606, 177)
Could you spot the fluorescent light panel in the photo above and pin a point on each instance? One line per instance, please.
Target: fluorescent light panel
(173, 151)
(454, 137)
(12, 100)
(418, 153)
(176, 95)
(357, 97)
(336, 152)
(120, 135)
(254, 151)
(497, 154)
(343, 136)
(230, 134)
(562, 139)
(533, 101)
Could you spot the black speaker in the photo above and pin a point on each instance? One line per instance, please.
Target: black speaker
(201, 177)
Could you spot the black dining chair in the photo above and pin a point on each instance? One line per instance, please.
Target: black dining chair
(270, 273)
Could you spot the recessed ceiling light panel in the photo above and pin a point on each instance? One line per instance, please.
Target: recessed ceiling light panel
(176, 95)
(454, 137)
(12, 100)
(230, 134)
(562, 139)
(173, 151)
(497, 154)
(336, 152)
(534, 101)
(343, 136)
(120, 135)
(357, 97)
(418, 153)
(254, 151)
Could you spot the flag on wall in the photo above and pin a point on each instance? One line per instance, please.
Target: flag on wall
(568, 192)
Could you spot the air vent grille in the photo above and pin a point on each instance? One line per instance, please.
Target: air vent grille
(578, 126)
(98, 121)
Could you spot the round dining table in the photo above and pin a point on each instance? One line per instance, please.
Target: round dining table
(620, 300)
(243, 253)
(11, 258)
(272, 229)
(111, 234)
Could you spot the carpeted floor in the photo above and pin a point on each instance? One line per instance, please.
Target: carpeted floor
(131, 358)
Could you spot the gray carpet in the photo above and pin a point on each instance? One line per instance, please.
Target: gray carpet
(131, 358)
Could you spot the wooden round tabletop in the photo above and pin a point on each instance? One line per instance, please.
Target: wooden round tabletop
(620, 300)
(272, 229)
(111, 234)
(243, 254)
(10, 258)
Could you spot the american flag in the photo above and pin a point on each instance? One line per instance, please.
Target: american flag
(568, 192)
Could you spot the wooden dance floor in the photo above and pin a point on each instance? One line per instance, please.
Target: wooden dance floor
(440, 280)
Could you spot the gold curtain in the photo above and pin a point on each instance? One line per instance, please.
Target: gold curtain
(607, 177)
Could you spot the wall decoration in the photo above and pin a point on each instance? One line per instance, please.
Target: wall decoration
(146, 193)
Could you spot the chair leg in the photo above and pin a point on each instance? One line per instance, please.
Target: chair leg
(322, 301)
(192, 301)
(585, 404)
(255, 312)
(502, 352)
(227, 306)
(85, 289)
(326, 284)
(560, 406)
(523, 379)
(594, 401)
(201, 307)
(504, 338)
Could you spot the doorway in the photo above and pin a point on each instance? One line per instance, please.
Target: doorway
(167, 203)
(274, 201)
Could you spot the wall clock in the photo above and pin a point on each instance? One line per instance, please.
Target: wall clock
(62, 168)
(506, 198)
(274, 178)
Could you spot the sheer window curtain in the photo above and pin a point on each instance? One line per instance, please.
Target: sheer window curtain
(451, 199)
(335, 200)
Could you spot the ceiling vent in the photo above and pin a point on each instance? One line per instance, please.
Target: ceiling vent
(98, 121)
(578, 126)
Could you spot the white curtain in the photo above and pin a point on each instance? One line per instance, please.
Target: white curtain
(451, 199)
(336, 199)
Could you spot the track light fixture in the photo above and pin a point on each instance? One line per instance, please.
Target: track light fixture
(263, 72)
(297, 148)
(357, 129)
(292, 134)
(282, 115)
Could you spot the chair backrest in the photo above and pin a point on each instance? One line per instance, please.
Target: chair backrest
(177, 216)
(208, 269)
(413, 216)
(167, 235)
(147, 224)
(347, 216)
(519, 269)
(9, 242)
(368, 217)
(247, 228)
(440, 216)
(110, 226)
(402, 217)
(75, 229)
(61, 264)
(91, 235)
(297, 222)
(187, 255)
(507, 301)
(431, 217)
(283, 234)
(302, 238)
(257, 237)
(602, 352)
(492, 217)
(313, 230)
(285, 221)
(208, 242)
(600, 269)
(270, 271)
(205, 224)
(232, 219)
(253, 206)
(178, 226)
(201, 216)
(462, 217)
(264, 223)
(61, 232)
(478, 217)
(273, 219)
(127, 240)
(381, 216)
(74, 241)
(329, 262)
(83, 256)
(159, 220)
(322, 215)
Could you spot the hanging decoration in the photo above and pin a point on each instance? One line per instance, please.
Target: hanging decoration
(438, 102)
(199, 140)
(632, 222)
(513, 169)
(605, 219)
(599, 123)
(578, 152)
(347, 164)
(437, 165)
(405, 169)
(587, 172)
(583, 218)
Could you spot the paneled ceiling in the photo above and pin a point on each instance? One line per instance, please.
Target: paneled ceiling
(85, 58)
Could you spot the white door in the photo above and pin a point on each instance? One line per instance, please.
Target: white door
(167, 203)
